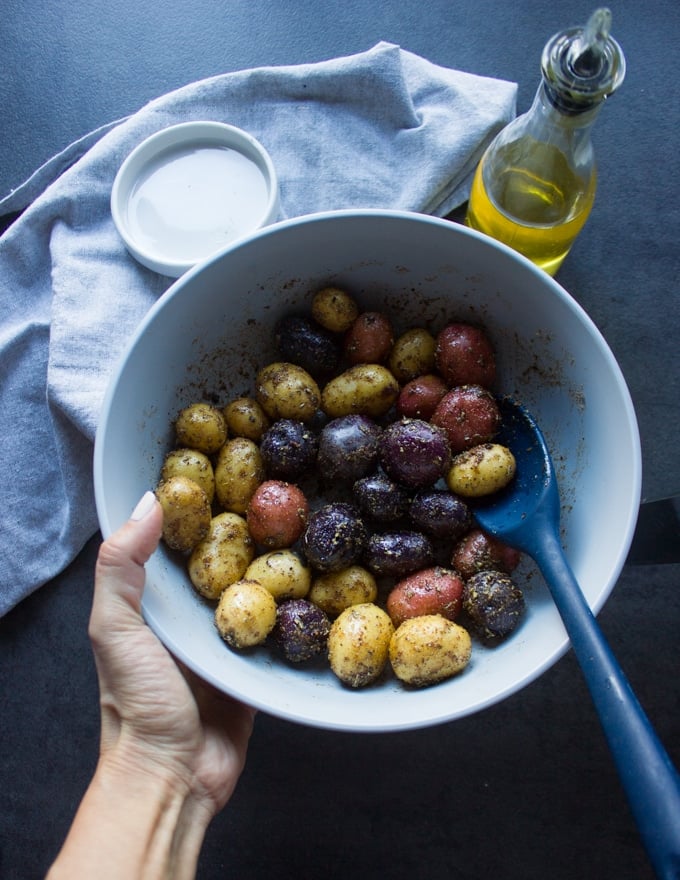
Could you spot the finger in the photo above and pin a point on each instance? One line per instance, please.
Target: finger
(119, 573)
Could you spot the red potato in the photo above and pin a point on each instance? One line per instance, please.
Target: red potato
(478, 551)
(418, 399)
(430, 591)
(469, 415)
(277, 514)
(369, 340)
(465, 356)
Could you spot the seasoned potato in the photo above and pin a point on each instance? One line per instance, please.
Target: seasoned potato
(481, 470)
(246, 418)
(337, 590)
(201, 426)
(282, 572)
(286, 391)
(469, 414)
(369, 340)
(367, 389)
(192, 464)
(358, 644)
(494, 604)
(239, 470)
(428, 649)
(334, 309)
(429, 591)
(418, 398)
(465, 356)
(245, 614)
(277, 514)
(412, 354)
(477, 551)
(186, 512)
(223, 556)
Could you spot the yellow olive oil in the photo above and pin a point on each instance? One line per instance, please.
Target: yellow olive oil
(527, 196)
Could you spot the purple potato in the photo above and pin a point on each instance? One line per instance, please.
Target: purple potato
(305, 343)
(441, 514)
(335, 537)
(381, 498)
(288, 449)
(414, 452)
(301, 630)
(494, 603)
(348, 448)
(397, 554)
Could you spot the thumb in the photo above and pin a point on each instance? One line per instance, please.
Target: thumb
(119, 573)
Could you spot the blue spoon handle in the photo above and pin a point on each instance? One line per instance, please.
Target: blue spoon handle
(650, 781)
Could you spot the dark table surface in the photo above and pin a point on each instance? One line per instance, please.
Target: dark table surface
(525, 789)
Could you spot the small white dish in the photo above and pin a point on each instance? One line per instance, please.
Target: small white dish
(189, 190)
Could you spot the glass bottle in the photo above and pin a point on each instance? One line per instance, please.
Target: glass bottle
(534, 187)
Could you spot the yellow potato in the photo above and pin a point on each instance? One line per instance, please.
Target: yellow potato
(246, 418)
(245, 614)
(334, 309)
(283, 573)
(428, 649)
(482, 470)
(201, 426)
(192, 464)
(358, 644)
(367, 389)
(337, 590)
(239, 470)
(222, 557)
(413, 354)
(186, 512)
(286, 391)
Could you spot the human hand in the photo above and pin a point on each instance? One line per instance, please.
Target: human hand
(156, 715)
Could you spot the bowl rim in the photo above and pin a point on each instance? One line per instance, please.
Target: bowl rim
(634, 475)
(184, 134)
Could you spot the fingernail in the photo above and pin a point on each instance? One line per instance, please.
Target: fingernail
(144, 506)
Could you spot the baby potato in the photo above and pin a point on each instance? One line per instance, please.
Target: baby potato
(277, 514)
(186, 512)
(482, 470)
(418, 398)
(428, 649)
(336, 590)
(192, 464)
(245, 614)
(412, 354)
(358, 644)
(334, 309)
(365, 389)
(465, 356)
(282, 572)
(201, 426)
(246, 418)
(239, 470)
(222, 557)
(286, 391)
(429, 591)
(369, 340)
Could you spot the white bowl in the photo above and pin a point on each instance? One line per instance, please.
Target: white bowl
(189, 190)
(211, 330)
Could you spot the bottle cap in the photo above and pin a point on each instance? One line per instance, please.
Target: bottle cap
(582, 66)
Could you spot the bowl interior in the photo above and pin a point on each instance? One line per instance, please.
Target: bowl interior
(207, 336)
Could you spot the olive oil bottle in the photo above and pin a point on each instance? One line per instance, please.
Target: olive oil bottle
(535, 185)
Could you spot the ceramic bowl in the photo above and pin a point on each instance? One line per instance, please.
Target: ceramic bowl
(189, 190)
(208, 334)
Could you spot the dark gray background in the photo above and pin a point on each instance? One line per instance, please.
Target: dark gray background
(525, 790)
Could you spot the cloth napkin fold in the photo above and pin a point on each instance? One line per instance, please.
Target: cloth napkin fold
(383, 128)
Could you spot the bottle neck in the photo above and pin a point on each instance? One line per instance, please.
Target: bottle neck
(550, 107)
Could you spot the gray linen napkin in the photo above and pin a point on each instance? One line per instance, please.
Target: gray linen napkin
(384, 128)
